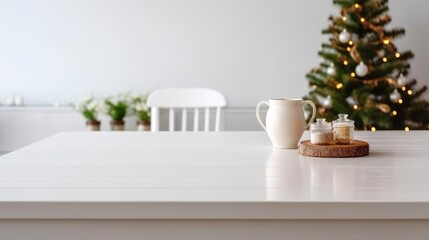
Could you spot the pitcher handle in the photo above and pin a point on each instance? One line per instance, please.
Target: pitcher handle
(257, 112)
(313, 114)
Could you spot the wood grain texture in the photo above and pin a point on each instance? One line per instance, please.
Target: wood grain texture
(355, 149)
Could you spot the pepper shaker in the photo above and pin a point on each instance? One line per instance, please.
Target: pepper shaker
(343, 129)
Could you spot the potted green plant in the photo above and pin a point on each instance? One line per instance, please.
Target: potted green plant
(117, 109)
(89, 108)
(141, 111)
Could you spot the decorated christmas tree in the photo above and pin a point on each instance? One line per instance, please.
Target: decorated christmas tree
(363, 74)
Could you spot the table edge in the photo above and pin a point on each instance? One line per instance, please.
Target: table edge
(214, 210)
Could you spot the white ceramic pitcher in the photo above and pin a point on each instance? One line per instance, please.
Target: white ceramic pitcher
(285, 121)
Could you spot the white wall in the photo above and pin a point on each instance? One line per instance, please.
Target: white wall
(248, 49)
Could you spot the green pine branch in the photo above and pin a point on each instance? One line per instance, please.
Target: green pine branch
(314, 80)
(394, 33)
(377, 12)
(344, 3)
(332, 57)
(407, 55)
(417, 94)
(386, 69)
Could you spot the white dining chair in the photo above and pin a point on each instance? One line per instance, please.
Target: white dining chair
(185, 99)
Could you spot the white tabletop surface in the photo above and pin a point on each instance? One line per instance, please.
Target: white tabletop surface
(212, 175)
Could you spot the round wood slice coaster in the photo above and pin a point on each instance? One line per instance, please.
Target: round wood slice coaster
(356, 149)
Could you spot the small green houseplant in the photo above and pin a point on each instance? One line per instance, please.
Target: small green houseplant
(89, 108)
(141, 111)
(117, 109)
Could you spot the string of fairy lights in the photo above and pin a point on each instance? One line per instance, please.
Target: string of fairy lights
(361, 70)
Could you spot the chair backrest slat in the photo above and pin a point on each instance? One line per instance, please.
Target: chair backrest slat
(154, 119)
(207, 120)
(184, 119)
(196, 119)
(184, 98)
(171, 120)
(217, 124)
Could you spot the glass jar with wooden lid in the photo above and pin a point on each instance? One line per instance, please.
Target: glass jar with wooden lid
(343, 129)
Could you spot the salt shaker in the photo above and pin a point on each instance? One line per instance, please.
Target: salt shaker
(343, 129)
(321, 132)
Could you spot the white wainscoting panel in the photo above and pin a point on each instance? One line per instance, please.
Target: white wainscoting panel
(20, 126)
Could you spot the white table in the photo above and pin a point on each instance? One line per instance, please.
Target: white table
(228, 185)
